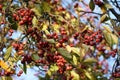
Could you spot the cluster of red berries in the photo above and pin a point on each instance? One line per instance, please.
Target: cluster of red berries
(1, 6)
(113, 52)
(92, 38)
(6, 73)
(19, 73)
(26, 59)
(116, 75)
(98, 2)
(61, 63)
(24, 16)
(18, 46)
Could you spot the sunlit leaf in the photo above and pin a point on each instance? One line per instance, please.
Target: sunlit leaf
(8, 53)
(83, 51)
(76, 50)
(108, 38)
(34, 21)
(49, 73)
(64, 53)
(75, 75)
(4, 65)
(89, 75)
(75, 60)
(54, 68)
(91, 5)
(44, 27)
(69, 49)
(67, 16)
(90, 60)
(104, 18)
(108, 29)
(6, 78)
(107, 5)
(114, 39)
(56, 28)
(50, 41)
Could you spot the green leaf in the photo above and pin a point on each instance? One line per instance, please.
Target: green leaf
(45, 6)
(91, 5)
(103, 78)
(14, 26)
(37, 9)
(90, 60)
(64, 53)
(108, 38)
(50, 41)
(35, 57)
(25, 68)
(75, 60)
(8, 53)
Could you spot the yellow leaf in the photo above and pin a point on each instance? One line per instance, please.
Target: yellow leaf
(68, 48)
(44, 27)
(108, 29)
(104, 18)
(114, 39)
(76, 50)
(103, 9)
(108, 37)
(89, 75)
(34, 21)
(75, 60)
(86, 27)
(56, 28)
(75, 75)
(67, 16)
(4, 65)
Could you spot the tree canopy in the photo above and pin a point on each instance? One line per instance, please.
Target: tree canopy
(67, 41)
